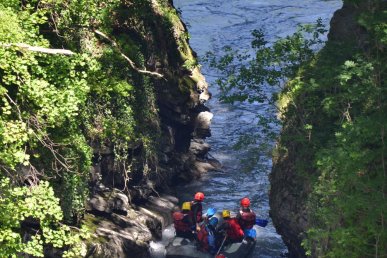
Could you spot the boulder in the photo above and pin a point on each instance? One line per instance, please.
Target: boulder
(203, 123)
(199, 147)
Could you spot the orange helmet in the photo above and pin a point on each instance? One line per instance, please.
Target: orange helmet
(199, 196)
(245, 202)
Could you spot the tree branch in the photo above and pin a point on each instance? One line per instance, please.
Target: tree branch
(38, 49)
(131, 63)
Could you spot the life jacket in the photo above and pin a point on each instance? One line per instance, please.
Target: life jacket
(199, 212)
(180, 222)
(203, 238)
(234, 231)
(247, 219)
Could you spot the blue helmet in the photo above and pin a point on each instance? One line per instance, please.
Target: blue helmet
(211, 212)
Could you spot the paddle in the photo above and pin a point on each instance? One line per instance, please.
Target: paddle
(224, 240)
(261, 222)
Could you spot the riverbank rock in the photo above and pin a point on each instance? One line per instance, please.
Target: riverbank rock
(202, 123)
(199, 147)
(126, 232)
(127, 207)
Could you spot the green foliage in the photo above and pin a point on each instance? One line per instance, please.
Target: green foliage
(53, 106)
(39, 92)
(348, 204)
(109, 114)
(246, 77)
(10, 28)
(170, 15)
(42, 96)
(349, 196)
(76, 19)
(39, 207)
(191, 64)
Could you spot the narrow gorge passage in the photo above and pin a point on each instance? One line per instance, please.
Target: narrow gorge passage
(213, 25)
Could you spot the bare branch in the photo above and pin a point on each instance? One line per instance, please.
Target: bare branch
(16, 105)
(55, 26)
(38, 49)
(131, 63)
(45, 140)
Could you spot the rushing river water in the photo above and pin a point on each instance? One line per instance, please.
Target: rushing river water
(213, 24)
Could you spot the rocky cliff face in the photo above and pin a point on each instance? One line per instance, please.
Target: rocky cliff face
(127, 210)
(290, 188)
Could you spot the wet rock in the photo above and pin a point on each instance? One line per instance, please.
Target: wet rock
(201, 85)
(99, 204)
(108, 202)
(203, 167)
(116, 241)
(344, 26)
(128, 235)
(163, 158)
(168, 139)
(203, 123)
(204, 96)
(214, 163)
(199, 147)
(163, 206)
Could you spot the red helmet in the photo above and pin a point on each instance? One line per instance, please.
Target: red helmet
(199, 196)
(245, 202)
(220, 256)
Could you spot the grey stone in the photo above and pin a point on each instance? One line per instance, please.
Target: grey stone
(199, 147)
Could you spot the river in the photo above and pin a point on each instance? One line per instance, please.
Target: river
(213, 24)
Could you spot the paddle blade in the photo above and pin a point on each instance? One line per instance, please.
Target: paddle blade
(261, 222)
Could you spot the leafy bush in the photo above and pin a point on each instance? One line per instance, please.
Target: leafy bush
(37, 207)
(54, 104)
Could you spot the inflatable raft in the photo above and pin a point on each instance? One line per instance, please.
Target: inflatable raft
(186, 248)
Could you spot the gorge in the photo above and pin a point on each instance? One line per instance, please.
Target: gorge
(105, 120)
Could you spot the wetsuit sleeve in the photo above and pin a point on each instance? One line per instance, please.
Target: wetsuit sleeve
(195, 209)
